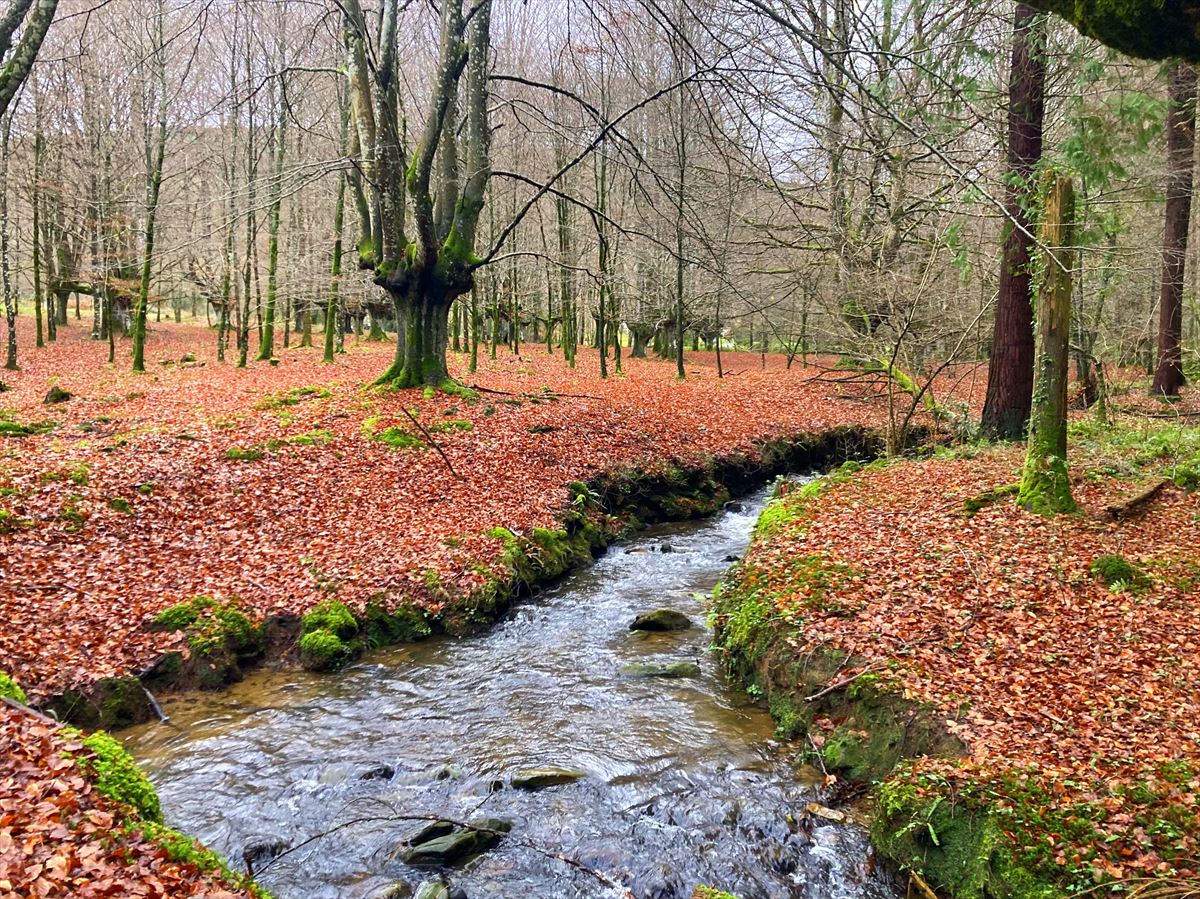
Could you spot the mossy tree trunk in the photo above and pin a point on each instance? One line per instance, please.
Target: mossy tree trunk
(155, 155)
(1181, 146)
(266, 347)
(423, 270)
(1045, 483)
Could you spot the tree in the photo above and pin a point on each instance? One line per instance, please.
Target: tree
(33, 17)
(155, 148)
(1181, 147)
(1010, 376)
(1152, 29)
(1045, 485)
(426, 268)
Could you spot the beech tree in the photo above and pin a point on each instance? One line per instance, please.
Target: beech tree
(428, 263)
(32, 18)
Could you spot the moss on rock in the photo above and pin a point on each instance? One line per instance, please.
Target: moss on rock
(118, 777)
(10, 689)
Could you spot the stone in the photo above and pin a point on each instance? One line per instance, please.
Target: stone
(661, 620)
(56, 395)
(735, 506)
(432, 889)
(666, 548)
(430, 830)
(379, 772)
(549, 776)
(458, 845)
(668, 670)
(732, 558)
(256, 852)
(397, 890)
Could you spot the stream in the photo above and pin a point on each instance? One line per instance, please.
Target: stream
(684, 782)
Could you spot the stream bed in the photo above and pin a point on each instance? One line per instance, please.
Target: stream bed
(684, 782)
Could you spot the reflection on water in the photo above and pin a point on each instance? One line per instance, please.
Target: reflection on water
(684, 783)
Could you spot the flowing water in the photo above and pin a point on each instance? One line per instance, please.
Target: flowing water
(684, 784)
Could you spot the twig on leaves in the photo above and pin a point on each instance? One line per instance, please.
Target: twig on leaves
(432, 442)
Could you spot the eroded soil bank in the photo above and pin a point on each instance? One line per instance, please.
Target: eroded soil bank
(1020, 690)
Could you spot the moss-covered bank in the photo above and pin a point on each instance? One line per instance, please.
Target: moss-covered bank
(223, 639)
(1013, 827)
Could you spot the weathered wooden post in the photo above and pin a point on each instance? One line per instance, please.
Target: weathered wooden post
(1045, 485)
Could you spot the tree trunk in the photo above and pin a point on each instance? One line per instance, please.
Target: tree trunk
(1010, 375)
(422, 336)
(154, 157)
(1181, 145)
(1045, 484)
(10, 300)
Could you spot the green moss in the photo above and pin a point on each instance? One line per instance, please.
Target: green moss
(451, 424)
(404, 624)
(117, 504)
(975, 504)
(118, 777)
(398, 438)
(10, 689)
(245, 453)
(330, 615)
(450, 387)
(1045, 487)
(703, 892)
(221, 638)
(10, 428)
(1117, 571)
(292, 397)
(328, 635)
(10, 522)
(324, 651)
(182, 615)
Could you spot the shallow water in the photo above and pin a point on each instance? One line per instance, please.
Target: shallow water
(684, 785)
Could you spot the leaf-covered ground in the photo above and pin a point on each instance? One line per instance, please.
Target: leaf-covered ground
(271, 483)
(61, 839)
(1078, 700)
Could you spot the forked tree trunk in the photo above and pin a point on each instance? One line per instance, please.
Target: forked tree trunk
(1045, 485)
(1181, 145)
(1010, 375)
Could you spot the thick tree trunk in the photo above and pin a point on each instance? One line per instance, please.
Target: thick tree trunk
(1181, 145)
(1010, 376)
(1045, 485)
(422, 336)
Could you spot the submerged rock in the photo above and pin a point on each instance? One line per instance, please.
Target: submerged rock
(669, 669)
(550, 776)
(735, 506)
(379, 772)
(732, 558)
(258, 852)
(457, 845)
(432, 889)
(430, 830)
(661, 620)
(666, 548)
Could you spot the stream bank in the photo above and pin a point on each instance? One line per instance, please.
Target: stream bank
(673, 781)
(986, 670)
(224, 641)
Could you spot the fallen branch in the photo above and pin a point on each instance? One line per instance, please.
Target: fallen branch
(923, 888)
(432, 442)
(546, 395)
(839, 684)
(1127, 507)
(21, 707)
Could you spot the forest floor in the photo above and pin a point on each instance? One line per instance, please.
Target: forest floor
(1062, 653)
(279, 484)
